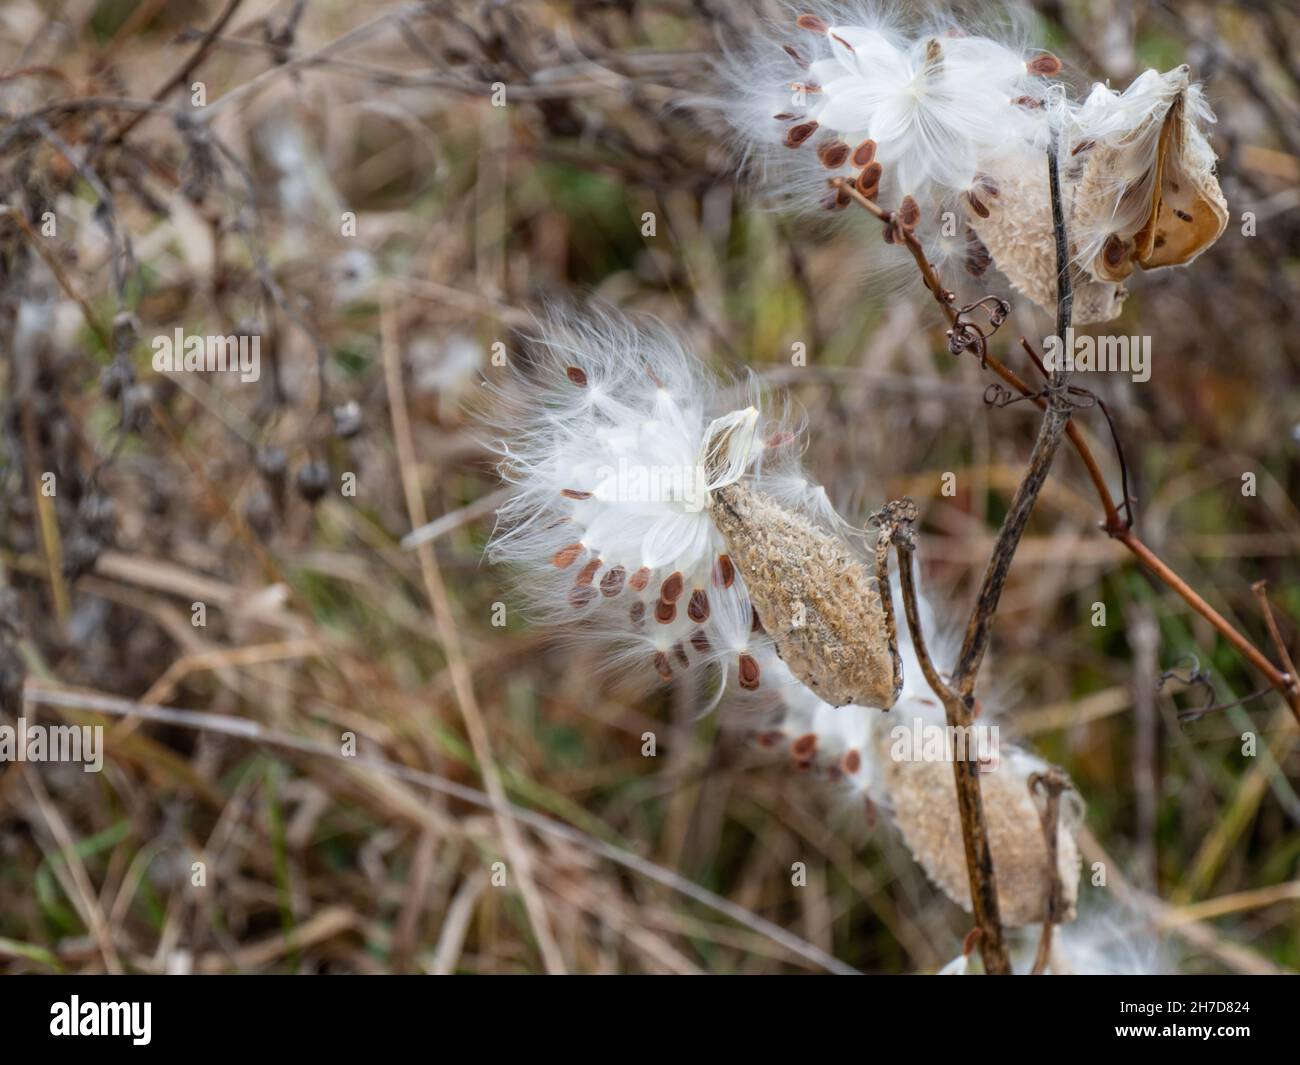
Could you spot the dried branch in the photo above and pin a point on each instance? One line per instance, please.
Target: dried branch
(957, 695)
(1050, 434)
(897, 520)
(1114, 523)
(182, 75)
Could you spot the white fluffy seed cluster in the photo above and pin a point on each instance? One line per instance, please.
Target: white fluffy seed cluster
(956, 122)
(618, 444)
(658, 511)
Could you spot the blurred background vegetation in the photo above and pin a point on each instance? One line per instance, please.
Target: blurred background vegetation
(348, 191)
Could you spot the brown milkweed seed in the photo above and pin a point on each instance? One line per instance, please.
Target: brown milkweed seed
(665, 612)
(868, 181)
(795, 136)
(864, 153)
(1045, 65)
(588, 572)
(698, 608)
(612, 583)
(833, 154)
(749, 672)
(671, 590)
(812, 23)
(564, 557)
(805, 746)
(978, 258)
(1114, 250)
(580, 595)
(577, 376)
(640, 579)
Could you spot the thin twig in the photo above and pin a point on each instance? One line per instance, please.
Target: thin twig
(181, 75)
(1260, 588)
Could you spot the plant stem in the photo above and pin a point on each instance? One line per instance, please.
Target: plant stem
(958, 695)
(1284, 682)
(1050, 434)
(1053, 782)
(966, 776)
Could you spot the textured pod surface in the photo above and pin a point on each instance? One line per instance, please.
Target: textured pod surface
(1019, 237)
(817, 601)
(924, 801)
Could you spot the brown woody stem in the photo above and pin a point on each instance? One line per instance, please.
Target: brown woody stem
(966, 777)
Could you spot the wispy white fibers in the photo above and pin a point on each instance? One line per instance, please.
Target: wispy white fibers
(1126, 131)
(901, 106)
(1108, 941)
(955, 117)
(847, 745)
(613, 438)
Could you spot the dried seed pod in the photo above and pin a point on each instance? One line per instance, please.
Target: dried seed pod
(1139, 189)
(923, 796)
(1187, 210)
(1015, 229)
(818, 602)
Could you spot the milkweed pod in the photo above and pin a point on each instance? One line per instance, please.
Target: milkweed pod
(818, 602)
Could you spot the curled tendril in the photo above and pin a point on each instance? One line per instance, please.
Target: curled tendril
(966, 335)
(1193, 675)
(998, 395)
(1188, 671)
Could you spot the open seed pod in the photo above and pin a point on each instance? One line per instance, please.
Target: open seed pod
(818, 602)
(1015, 226)
(923, 797)
(1142, 178)
(1138, 188)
